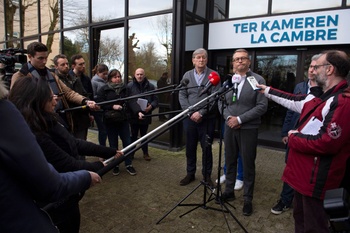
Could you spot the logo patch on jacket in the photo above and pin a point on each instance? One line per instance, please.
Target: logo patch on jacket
(334, 130)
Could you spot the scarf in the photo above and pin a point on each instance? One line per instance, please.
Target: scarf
(117, 87)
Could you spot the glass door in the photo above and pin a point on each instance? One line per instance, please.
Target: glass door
(279, 71)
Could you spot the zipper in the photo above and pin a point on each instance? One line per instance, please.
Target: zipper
(313, 170)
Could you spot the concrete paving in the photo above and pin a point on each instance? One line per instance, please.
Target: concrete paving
(126, 203)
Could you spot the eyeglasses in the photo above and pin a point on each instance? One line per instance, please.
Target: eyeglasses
(318, 66)
(237, 59)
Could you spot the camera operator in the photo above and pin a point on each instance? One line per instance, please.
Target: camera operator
(36, 68)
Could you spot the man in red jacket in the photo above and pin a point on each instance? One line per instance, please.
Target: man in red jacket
(319, 147)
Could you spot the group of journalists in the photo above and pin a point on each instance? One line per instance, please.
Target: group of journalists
(44, 173)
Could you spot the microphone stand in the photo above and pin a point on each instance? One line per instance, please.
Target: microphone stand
(217, 197)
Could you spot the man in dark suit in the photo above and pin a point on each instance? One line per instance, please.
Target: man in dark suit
(244, 108)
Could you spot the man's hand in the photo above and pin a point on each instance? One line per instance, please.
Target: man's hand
(141, 116)
(118, 154)
(148, 108)
(285, 140)
(262, 88)
(92, 105)
(95, 179)
(196, 117)
(292, 131)
(233, 123)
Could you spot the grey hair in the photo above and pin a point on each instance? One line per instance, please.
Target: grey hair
(315, 57)
(200, 51)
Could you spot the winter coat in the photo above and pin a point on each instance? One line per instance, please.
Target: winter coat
(318, 154)
(135, 88)
(26, 177)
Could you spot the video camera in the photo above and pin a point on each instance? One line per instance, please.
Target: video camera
(8, 59)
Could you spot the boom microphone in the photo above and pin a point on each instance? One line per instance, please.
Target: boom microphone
(226, 85)
(184, 82)
(236, 79)
(214, 80)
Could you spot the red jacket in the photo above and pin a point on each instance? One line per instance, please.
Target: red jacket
(318, 154)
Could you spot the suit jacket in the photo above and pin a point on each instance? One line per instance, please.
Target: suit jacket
(190, 96)
(249, 106)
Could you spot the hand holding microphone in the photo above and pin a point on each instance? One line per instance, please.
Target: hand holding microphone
(214, 80)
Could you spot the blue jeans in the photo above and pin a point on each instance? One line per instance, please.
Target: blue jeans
(122, 130)
(239, 160)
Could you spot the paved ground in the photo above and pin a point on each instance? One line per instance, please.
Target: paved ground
(127, 203)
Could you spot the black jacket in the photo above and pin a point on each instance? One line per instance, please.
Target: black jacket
(107, 93)
(62, 149)
(135, 88)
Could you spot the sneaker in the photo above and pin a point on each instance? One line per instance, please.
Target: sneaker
(147, 157)
(116, 171)
(238, 185)
(131, 170)
(247, 208)
(222, 179)
(188, 179)
(279, 208)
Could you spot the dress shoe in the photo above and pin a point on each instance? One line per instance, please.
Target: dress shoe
(228, 196)
(188, 179)
(238, 185)
(247, 208)
(147, 157)
(209, 182)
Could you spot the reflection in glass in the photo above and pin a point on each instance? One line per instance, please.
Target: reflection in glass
(220, 10)
(103, 10)
(77, 42)
(30, 22)
(12, 24)
(279, 72)
(111, 49)
(150, 47)
(75, 13)
(52, 41)
(280, 6)
(140, 6)
(50, 17)
(197, 7)
(247, 8)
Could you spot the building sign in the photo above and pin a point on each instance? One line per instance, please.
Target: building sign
(320, 28)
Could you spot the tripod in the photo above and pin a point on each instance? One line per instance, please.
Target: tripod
(213, 196)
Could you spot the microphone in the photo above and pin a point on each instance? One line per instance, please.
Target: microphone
(184, 82)
(236, 79)
(214, 80)
(226, 85)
